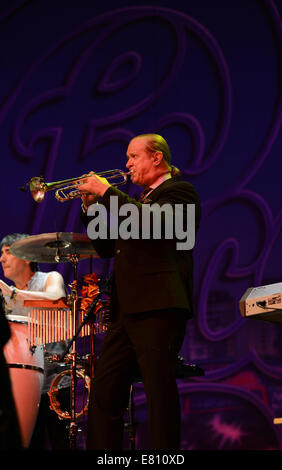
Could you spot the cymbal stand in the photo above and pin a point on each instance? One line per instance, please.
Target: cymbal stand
(73, 355)
(87, 319)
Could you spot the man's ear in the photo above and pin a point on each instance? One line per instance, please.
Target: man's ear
(158, 157)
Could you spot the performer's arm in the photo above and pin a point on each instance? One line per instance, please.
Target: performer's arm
(54, 289)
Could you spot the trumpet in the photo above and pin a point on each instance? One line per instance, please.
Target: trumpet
(67, 190)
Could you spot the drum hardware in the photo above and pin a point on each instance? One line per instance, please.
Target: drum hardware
(73, 359)
(88, 318)
(73, 372)
(82, 361)
(55, 248)
(72, 356)
(57, 358)
(38, 187)
(25, 366)
(58, 248)
(54, 389)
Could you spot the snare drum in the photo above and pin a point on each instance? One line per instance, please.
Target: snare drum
(26, 368)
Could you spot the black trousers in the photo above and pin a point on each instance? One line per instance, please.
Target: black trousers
(48, 425)
(152, 340)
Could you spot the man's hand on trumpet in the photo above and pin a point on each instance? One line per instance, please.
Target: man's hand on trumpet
(94, 186)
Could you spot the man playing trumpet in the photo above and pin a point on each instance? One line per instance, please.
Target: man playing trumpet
(152, 298)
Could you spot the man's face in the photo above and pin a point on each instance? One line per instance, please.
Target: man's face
(12, 266)
(140, 162)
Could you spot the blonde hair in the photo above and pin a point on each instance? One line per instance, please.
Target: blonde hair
(156, 143)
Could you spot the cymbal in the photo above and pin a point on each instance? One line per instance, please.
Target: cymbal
(60, 247)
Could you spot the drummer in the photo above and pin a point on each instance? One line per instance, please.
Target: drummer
(29, 283)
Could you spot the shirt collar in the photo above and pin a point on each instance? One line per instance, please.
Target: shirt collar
(160, 180)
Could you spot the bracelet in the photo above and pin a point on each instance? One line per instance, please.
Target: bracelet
(13, 294)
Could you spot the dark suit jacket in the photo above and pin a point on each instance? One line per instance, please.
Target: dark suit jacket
(151, 274)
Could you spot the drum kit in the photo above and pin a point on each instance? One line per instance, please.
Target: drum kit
(26, 360)
(24, 357)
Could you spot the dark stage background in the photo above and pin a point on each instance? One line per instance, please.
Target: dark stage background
(78, 80)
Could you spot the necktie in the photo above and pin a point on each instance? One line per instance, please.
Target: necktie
(144, 194)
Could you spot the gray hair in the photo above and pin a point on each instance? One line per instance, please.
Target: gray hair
(8, 240)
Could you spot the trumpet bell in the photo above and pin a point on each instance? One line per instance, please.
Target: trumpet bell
(37, 188)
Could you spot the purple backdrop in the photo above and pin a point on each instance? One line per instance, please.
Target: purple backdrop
(78, 80)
